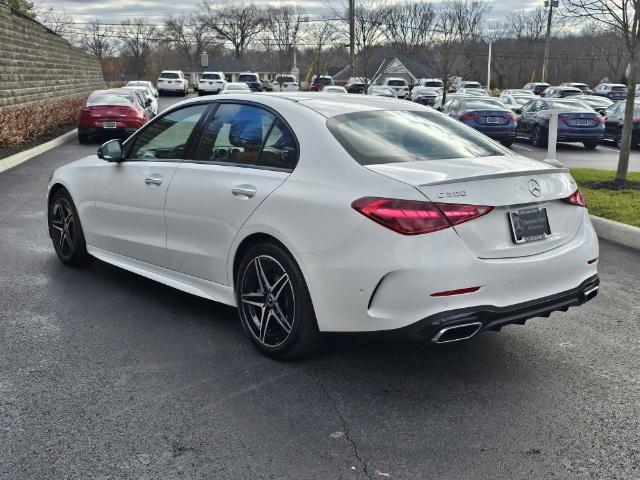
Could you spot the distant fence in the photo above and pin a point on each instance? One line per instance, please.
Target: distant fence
(43, 79)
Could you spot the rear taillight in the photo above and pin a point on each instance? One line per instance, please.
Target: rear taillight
(563, 117)
(511, 117)
(414, 217)
(599, 119)
(469, 116)
(576, 198)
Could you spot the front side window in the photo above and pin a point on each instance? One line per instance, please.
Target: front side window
(404, 136)
(166, 138)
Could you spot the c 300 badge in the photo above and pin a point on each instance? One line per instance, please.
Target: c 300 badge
(457, 193)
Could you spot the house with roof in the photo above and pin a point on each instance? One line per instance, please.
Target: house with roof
(385, 62)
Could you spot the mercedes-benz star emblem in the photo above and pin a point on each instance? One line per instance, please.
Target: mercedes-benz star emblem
(534, 188)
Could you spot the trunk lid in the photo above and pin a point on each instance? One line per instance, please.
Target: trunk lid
(507, 183)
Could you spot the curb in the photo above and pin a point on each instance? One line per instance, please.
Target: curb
(18, 158)
(617, 232)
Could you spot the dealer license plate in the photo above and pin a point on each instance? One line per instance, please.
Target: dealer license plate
(109, 125)
(529, 224)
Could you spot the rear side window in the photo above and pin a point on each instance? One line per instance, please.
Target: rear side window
(245, 135)
(404, 136)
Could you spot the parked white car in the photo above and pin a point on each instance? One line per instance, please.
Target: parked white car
(425, 95)
(334, 89)
(431, 82)
(235, 87)
(211, 82)
(476, 92)
(514, 101)
(173, 81)
(137, 83)
(285, 83)
(333, 214)
(149, 98)
(398, 85)
(381, 91)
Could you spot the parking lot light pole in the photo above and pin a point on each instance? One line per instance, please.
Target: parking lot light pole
(551, 4)
(489, 69)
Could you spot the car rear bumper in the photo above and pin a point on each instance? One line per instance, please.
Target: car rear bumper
(379, 280)
(209, 88)
(490, 317)
(564, 136)
(107, 132)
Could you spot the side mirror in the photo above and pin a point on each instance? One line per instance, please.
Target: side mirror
(111, 151)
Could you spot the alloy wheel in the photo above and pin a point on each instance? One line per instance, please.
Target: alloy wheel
(63, 227)
(267, 301)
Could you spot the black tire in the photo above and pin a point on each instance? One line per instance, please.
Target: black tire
(537, 137)
(590, 144)
(277, 299)
(618, 139)
(83, 138)
(66, 231)
(507, 142)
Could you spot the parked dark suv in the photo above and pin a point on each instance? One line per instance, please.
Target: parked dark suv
(614, 120)
(252, 80)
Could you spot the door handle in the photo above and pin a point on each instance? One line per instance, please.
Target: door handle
(154, 180)
(244, 191)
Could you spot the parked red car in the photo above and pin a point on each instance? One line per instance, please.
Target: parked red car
(111, 114)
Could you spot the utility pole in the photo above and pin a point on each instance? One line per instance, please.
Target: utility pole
(489, 69)
(352, 38)
(550, 4)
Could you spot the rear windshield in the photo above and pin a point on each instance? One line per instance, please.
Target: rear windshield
(620, 88)
(285, 79)
(247, 78)
(573, 106)
(169, 75)
(472, 85)
(109, 98)
(210, 76)
(397, 83)
(483, 104)
(569, 93)
(433, 84)
(378, 137)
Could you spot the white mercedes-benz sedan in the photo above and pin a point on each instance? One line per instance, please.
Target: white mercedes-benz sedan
(331, 213)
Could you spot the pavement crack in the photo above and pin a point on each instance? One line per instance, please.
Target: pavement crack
(345, 428)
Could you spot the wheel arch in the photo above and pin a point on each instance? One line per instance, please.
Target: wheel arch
(248, 242)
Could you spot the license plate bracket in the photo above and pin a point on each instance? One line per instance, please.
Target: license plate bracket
(109, 124)
(529, 224)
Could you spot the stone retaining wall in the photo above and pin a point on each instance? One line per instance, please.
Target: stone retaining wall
(43, 79)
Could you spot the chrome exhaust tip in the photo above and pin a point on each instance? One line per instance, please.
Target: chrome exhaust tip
(592, 292)
(457, 333)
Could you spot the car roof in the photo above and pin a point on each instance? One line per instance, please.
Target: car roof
(328, 106)
(171, 71)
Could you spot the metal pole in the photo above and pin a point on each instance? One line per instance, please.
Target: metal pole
(547, 38)
(489, 69)
(352, 28)
(553, 139)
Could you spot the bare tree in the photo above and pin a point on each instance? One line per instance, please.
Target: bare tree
(58, 21)
(283, 25)
(137, 36)
(409, 25)
(98, 39)
(237, 24)
(370, 21)
(526, 24)
(468, 18)
(622, 17)
(446, 48)
(322, 35)
(191, 34)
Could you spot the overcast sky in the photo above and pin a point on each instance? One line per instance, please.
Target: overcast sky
(155, 10)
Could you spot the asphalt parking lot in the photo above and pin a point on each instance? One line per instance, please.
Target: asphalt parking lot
(104, 374)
